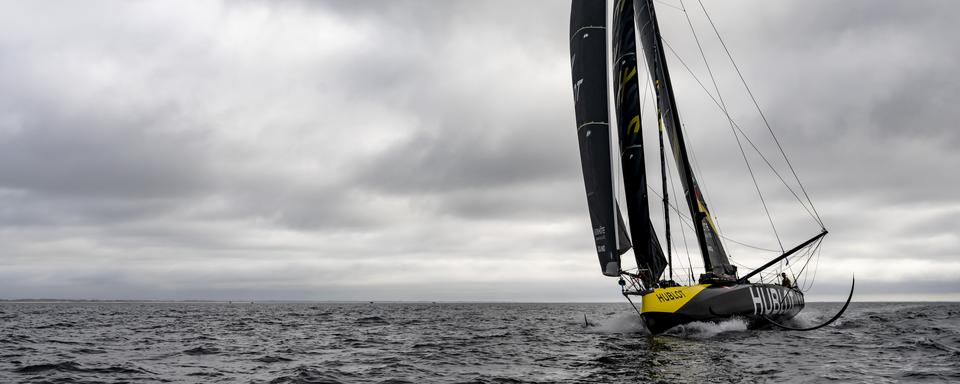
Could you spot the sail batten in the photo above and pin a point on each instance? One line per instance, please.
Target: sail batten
(714, 256)
(588, 55)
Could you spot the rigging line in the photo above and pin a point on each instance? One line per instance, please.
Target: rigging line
(723, 106)
(704, 56)
(698, 172)
(701, 176)
(804, 267)
(816, 267)
(800, 254)
(760, 111)
(755, 148)
(686, 247)
(681, 267)
(804, 252)
(812, 214)
(742, 265)
(689, 223)
(648, 91)
(676, 209)
(695, 164)
(816, 250)
(633, 305)
(790, 267)
(737, 126)
(683, 234)
(646, 86)
(669, 5)
(679, 261)
(673, 190)
(751, 246)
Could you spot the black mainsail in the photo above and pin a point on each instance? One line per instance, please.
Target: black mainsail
(588, 63)
(646, 248)
(715, 259)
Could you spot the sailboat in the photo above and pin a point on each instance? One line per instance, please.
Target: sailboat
(720, 292)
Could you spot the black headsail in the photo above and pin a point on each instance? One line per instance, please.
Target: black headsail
(715, 259)
(627, 100)
(588, 61)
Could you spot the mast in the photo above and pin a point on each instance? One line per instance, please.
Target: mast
(588, 62)
(647, 251)
(715, 259)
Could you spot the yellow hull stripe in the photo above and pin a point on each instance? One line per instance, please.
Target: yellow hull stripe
(669, 300)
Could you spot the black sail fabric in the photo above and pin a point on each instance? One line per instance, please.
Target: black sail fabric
(649, 257)
(588, 56)
(714, 257)
(624, 240)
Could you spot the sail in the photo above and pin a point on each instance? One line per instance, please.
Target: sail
(588, 56)
(714, 257)
(627, 101)
(623, 240)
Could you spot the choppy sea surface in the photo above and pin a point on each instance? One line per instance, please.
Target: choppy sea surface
(468, 343)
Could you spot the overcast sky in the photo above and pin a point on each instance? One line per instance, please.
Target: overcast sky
(415, 150)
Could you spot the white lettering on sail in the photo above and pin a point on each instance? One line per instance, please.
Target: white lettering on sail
(599, 235)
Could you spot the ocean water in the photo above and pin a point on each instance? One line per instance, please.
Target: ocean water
(463, 343)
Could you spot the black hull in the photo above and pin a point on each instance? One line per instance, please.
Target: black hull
(665, 308)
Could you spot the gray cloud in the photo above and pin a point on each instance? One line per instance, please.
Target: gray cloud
(425, 150)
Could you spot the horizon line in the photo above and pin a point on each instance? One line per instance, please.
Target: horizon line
(354, 301)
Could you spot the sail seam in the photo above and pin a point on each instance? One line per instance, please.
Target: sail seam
(591, 123)
(577, 32)
(625, 55)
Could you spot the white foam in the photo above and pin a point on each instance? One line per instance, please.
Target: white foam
(804, 319)
(706, 330)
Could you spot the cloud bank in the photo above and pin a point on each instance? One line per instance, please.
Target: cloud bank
(408, 150)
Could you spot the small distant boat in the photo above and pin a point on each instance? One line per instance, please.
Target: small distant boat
(719, 293)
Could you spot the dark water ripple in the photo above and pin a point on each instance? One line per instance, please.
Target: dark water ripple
(462, 343)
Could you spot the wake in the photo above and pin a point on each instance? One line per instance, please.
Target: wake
(706, 330)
